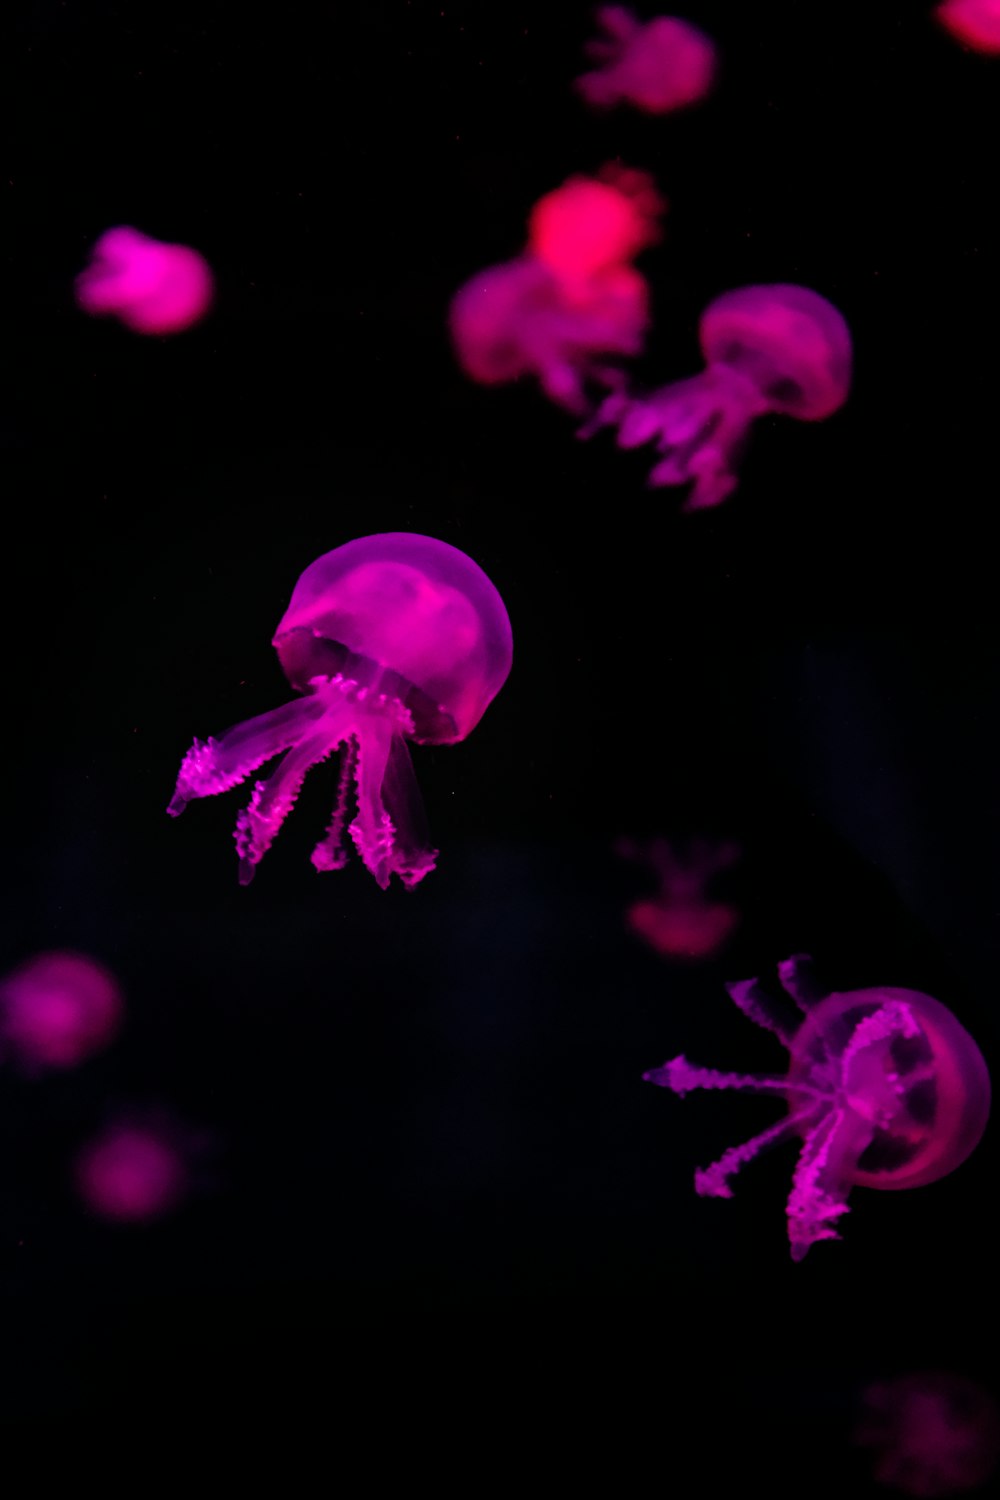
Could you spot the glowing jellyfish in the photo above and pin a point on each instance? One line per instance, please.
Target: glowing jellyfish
(657, 65)
(57, 1009)
(151, 287)
(884, 1087)
(974, 22)
(933, 1433)
(781, 349)
(132, 1172)
(682, 921)
(390, 638)
(573, 304)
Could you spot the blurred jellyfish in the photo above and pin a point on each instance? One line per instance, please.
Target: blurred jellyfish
(933, 1433)
(151, 287)
(134, 1171)
(657, 65)
(974, 22)
(682, 921)
(572, 304)
(390, 638)
(884, 1087)
(781, 349)
(56, 1010)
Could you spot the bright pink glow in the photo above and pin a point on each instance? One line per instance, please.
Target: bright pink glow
(658, 66)
(781, 349)
(57, 1009)
(131, 1173)
(934, 1433)
(590, 225)
(974, 22)
(151, 287)
(884, 1087)
(390, 638)
(681, 922)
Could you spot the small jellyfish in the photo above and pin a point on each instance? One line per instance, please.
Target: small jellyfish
(590, 226)
(132, 1172)
(974, 22)
(682, 921)
(659, 65)
(781, 349)
(884, 1087)
(933, 1433)
(151, 287)
(56, 1010)
(389, 638)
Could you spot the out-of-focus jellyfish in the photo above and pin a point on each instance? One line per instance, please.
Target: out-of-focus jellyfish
(57, 1009)
(781, 349)
(573, 304)
(151, 287)
(132, 1172)
(657, 65)
(884, 1087)
(974, 22)
(682, 921)
(933, 1433)
(389, 638)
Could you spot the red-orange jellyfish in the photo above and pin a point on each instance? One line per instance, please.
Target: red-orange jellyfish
(974, 22)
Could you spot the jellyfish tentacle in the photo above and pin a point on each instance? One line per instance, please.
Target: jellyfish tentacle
(272, 800)
(330, 853)
(713, 1181)
(387, 796)
(216, 765)
(680, 1076)
(758, 1006)
(819, 1184)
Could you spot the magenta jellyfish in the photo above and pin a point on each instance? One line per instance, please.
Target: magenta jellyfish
(132, 1172)
(974, 22)
(884, 1087)
(151, 287)
(933, 1433)
(659, 65)
(57, 1009)
(389, 638)
(781, 349)
(682, 921)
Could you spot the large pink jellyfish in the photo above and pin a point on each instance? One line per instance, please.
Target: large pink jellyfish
(781, 349)
(390, 638)
(132, 1172)
(572, 302)
(57, 1009)
(657, 65)
(885, 1088)
(974, 22)
(681, 921)
(933, 1433)
(151, 287)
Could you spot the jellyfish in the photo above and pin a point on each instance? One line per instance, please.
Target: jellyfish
(659, 65)
(151, 287)
(681, 921)
(884, 1087)
(781, 349)
(974, 22)
(934, 1433)
(132, 1172)
(389, 638)
(57, 1009)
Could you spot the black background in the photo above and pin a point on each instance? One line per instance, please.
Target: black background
(438, 1188)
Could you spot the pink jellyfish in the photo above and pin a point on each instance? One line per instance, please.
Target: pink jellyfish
(974, 22)
(153, 288)
(390, 638)
(781, 349)
(132, 1172)
(884, 1087)
(57, 1009)
(933, 1433)
(682, 921)
(573, 301)
(657, 65)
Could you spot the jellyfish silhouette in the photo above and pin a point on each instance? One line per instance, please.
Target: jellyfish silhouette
(933, 1433)
(390, 638)
(658, 65)
(682, 921)
(884, 1087)
(133, 1171)
(781, 349)
(974, 22)
(151, 287)
(56, 1010)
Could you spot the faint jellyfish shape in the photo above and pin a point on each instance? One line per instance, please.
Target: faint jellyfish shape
(884, 1087)
(659, 65)
(151, 287)
(682, 921)
(132, 1172)
(390, 637)
(934, 1433)
(57, 1009)
(974, 22)
(781, 349)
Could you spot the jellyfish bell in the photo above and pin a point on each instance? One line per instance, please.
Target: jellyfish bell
(974, 22)
(589, 225)
(151, 287)
(57, 1009)
(657, 66)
